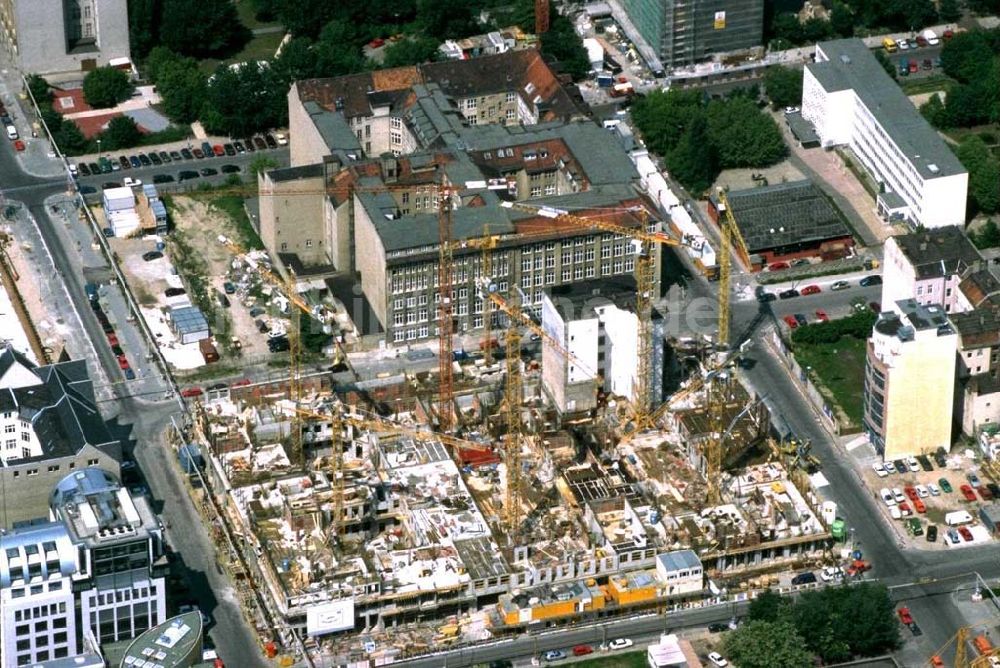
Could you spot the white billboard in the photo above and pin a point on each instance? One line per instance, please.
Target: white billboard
(330, 617)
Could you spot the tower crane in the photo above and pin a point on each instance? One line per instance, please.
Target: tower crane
(729, 233)
(644, 241)
(513, 394)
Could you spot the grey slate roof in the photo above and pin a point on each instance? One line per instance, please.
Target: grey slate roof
(294, 173)
(419, 230)
(332, 127)
(61, 407)
(679, 560)
(785, 214)
(850, 64)
(938, 252)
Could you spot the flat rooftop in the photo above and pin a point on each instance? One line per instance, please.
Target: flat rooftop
(848, 64)
(938, 252)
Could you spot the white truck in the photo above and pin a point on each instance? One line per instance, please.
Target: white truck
(931, 37)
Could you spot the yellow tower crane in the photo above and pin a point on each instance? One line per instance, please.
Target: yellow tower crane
(513, 439)
(729, 233)
(645, 267)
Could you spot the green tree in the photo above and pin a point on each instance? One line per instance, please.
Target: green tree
(561, 43)
(296, 61)
(122, 132)
(949, 11)
(202, 28)
(969, 104)
(693, 162)
(243, 101)
(40, 90)
(70, 140)
(988, 236)
(786, 27)
(448, 19)
(143, 23)
(984, 173)
(783, 86)
(106, 87)
(743, 135)
(158, 58)
(53, 120)
(770, 606)
(886, 64)
(816, 30)
(760, 644)
(265, 11)
(261, 164)
(183, 87)
(305, 18)
(337, 51)
(984, 7)
(964, 55)
(662, 117)
(411, 51)
(934, 112)
(842, 19)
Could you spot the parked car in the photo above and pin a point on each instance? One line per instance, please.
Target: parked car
(968, 493)
(154, 158)
(582, 650)
(187, 154)
(83, 169)
(174, 292)
(717, 660)
(260, 143)
(926, 64)
(788, 294)
(218, 150)
(801, 319)
(932, 533)
(900, 466)
(897, 495)
(791, 322)
(208, 171)
(973, 479)
(187, 175)
(925, 462)
(165, 157)
(229, 149)
(810, 290)
(555, 655)
(144, 160)
(985, 493)
(256, 311)
(270, 141)
(874, 279)
(945, 485)
(230, 169)
(176, 156)
(719, 627)
(879, 469)
(875, 307)
(965, 534)
(162, 178)
(238, 145)
(840, 285)
(152, 255)
(207, 150)
(904, 615)
(198, 153)
(129, 182)
(887, 496)
(994, 489)
(229, 287)
(134, 160)
(933, 489)
(248, 145)
(277, 345)
(922, 491)
(807, 577)
(777, 266)
(822, 316)
(911, 463)
(95, 169)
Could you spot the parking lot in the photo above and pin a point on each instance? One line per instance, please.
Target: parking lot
(932, 491)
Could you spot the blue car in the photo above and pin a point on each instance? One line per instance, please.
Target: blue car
(134, 160)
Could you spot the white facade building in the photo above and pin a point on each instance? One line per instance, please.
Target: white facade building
(928, 267)
(97, 569)
(852, 101)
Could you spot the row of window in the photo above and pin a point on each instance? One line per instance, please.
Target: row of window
(53, 468)
(40, 611)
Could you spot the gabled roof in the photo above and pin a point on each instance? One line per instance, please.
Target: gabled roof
(938, 252)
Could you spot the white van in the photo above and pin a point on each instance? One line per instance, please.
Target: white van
(11, 132)
(958, 518)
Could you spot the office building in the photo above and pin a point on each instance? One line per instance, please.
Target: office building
(853, 102)
(56, 37)
(595, 321)
(95, 569)
(50, 427)
(910, 380)
(685, 32)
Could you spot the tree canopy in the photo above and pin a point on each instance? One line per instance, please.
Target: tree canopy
(784, 29)
(984, 174)
(697, 139)
(201, 28)
(122, 132)
(761, 644)
(412, 51)
(40, 90)
(106, 87)
(783, 86)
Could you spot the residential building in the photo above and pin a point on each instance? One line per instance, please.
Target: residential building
(595, 322)
(853, 102)
(927, 266)
(95, 570)
(786, 221)
(681, 570)
(910, 380)
(685, 32)
(50, 427)
(53, 37)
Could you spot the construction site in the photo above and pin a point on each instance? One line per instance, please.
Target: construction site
(395, 516)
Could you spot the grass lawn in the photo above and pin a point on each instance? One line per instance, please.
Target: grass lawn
(928, 84)
(233, 206)
(627, 660)
(261, 47)
(245, 10)
(840, 369)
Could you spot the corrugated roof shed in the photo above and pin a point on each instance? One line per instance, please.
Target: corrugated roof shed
(188, 319)
(785, 214)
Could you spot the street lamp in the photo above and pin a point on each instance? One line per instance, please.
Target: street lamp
(98, 148)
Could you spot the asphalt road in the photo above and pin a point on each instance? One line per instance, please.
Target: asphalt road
(140, 423)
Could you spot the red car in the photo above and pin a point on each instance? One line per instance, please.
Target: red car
(914, 67)
(582, 650)
(822, 316)
(19, 144)
(919, 506)
(968, 493)
(985, 492)
(965, 533)
(775, 266)
(112, 339)
(875, 307)
(791, 321)
(376, 43)
(921, 40)
(192, 392)
(905, 616)
(810, 290)
(904, 509)
(241, 382)
(218, 150)
(911, 493)
(947, 34)
(122, 362)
